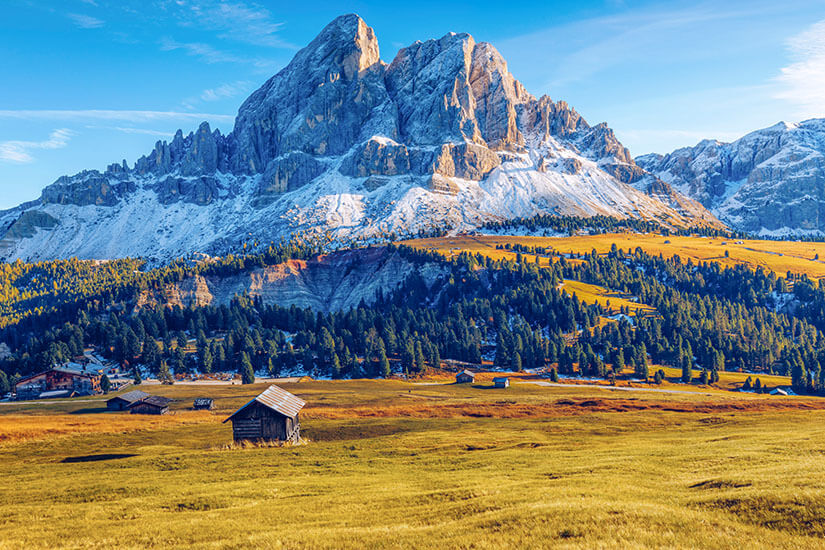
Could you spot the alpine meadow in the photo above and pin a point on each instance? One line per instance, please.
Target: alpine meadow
(401, 301)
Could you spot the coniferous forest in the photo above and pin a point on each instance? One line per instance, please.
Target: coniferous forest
(707, 319)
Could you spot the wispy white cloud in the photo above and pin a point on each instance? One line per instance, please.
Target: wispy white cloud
(225, 91)
(236, 21)
(20, 151)
(677, 32)
(85, 21)
(142, 131)
(206, 52)
(803, 81)
(100, 114)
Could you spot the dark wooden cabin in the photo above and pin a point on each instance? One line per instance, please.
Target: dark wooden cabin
(203, 404)
(465, 376)
(272, 416)
(501, 382)
(122, 402)
(154, 404)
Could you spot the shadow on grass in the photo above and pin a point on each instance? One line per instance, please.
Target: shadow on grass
(96, 458)
(485, 387)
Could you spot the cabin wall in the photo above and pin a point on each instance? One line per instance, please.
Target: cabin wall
(259, 422)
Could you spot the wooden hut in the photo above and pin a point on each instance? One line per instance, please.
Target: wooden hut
(501, 382)
(273, 416)
(122, 402)
(203, 404)
(154, 404)
(465, 377)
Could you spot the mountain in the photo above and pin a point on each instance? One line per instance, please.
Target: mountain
(343, 145)
(771, 181)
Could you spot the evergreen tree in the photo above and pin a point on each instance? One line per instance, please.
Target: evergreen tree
(164, 375)
(247, 372)
(5, 385)
(105, 384)
(419, 357)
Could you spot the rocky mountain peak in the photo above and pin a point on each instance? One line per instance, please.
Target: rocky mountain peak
(340, 143)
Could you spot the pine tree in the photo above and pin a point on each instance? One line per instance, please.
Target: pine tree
(687, 363)
(419, 357)
(105, 384)
(163, 373)
(554, 375)
(247, 372)
(640, 368)
(383, 362)
(5, 385)
(207, 360)
(517, 362)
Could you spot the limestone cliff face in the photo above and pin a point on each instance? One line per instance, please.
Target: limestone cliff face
(341, 144)
(333, 282)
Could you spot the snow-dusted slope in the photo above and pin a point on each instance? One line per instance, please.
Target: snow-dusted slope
(342, 144)
(771, 181)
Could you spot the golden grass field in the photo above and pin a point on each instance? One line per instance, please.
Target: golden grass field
(391, 464)
(610, 300)
(777, 256)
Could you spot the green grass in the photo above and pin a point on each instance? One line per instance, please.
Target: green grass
(557, 475)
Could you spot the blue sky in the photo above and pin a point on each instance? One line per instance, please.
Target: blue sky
(90, 82)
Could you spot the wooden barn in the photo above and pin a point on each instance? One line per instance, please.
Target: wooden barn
(501, 382)
(465, 377)
(203, 404)
(273, 415)
(154, 404)
(122, 402)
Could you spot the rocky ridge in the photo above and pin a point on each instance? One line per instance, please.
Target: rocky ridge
(771, 181)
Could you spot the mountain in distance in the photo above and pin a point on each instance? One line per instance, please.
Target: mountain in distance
(345, 146)
(770, 182)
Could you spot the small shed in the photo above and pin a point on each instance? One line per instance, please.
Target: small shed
(501, 382)
(203, 404)
(154, 404)
(465, 377)
(272, 415)
(122, 402)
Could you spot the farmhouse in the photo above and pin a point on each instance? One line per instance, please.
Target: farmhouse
(203, 404)
(154, 404)
(273, 415)
(70, 377)
(501, 382)
(122, 402)
(465, 376)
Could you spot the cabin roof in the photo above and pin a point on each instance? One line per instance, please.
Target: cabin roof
(154, 400)
(500, 379)
(203, 400)
(278, 400)
(467, 372)
(131, 397)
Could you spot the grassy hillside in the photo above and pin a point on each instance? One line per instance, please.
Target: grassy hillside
(806, 258)
(390, 464)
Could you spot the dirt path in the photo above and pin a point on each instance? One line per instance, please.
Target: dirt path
(611, 388)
